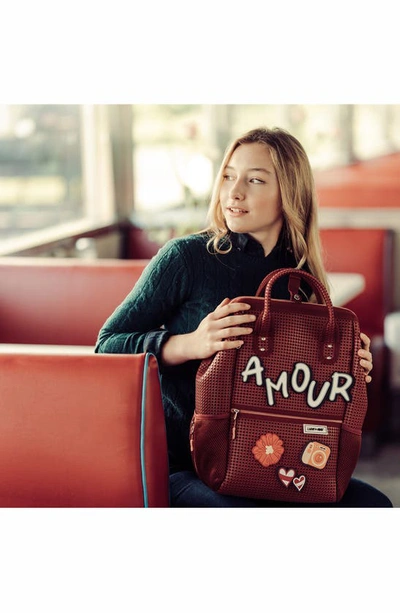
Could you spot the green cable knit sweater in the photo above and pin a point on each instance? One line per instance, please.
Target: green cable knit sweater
(179, 287)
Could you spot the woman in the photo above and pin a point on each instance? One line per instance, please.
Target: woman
(262, 216)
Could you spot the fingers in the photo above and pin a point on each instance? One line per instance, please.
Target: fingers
(226, 308)
(227, 322)
(229, 344)
(366, 365)
(366, 359)
(365, 341)
(229, 319)
(366, 356)
(238, 331)
(223, 303)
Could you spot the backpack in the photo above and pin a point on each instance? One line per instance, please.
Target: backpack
(281, 417)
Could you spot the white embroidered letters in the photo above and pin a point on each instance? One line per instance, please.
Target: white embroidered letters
(281, 384)
(312, 402)
(340, 389)
(298, 368)
(299, 381)
(253, 367)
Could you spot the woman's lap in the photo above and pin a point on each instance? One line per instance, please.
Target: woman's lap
(187, 490)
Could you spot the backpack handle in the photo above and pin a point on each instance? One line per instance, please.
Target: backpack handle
(263, 325)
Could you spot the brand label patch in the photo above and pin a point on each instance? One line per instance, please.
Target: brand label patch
(313, 429)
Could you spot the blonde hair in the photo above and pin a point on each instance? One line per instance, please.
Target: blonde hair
(298, 195)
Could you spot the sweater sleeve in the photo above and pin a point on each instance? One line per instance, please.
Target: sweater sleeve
(140, 323)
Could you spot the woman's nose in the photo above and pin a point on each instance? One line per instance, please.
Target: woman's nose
(236, 191)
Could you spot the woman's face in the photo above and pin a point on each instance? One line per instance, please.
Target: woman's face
(250, 196)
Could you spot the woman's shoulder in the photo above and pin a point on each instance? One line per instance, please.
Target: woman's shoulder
(190, 243)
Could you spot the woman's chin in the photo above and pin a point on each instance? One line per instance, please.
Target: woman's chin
(235, 225)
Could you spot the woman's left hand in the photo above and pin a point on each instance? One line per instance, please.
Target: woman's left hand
(366, 356)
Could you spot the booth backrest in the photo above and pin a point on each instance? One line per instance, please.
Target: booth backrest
(369, 251)
(80, 430)
(61, 301)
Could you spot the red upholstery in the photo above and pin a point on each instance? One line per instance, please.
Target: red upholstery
(72, 432)
(366, 184)
(61, 301)
(369, 251)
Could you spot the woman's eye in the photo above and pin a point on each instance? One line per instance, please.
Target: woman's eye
(227, 177)
(256, 180)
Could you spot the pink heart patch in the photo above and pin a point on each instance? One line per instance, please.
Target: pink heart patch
(299, 482)
(286, 476)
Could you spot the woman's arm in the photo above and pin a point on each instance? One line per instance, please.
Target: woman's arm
(136, 325)
(160, 294)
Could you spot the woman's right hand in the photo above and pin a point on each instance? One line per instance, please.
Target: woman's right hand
(214, 333)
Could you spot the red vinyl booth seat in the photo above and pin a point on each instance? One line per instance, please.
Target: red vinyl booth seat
(61, 301)
(369, 251)
(81, 430)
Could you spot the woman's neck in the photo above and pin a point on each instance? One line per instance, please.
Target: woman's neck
(268, 238)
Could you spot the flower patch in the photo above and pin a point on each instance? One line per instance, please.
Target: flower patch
(268, 449)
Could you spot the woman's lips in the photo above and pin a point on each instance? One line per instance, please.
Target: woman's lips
(236, 211)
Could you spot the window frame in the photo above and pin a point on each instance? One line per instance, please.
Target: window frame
(98, 191)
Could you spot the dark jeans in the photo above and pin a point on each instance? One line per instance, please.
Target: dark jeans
(187, 490)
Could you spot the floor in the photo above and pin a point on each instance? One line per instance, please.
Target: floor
(382, 470)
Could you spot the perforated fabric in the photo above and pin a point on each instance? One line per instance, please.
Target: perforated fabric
(292, 418)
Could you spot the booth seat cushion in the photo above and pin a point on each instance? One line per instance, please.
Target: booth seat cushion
(79, 430)
(368, 251)
(61, 300)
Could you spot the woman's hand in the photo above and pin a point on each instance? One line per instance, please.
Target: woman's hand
(366, 356)
(214, 333)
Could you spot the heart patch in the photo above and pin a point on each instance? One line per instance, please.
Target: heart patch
(299, 482)
(286, 476)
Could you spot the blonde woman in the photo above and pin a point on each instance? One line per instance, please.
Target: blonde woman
(262, 216)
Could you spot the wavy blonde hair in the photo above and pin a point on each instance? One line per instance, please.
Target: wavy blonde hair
(298, 195)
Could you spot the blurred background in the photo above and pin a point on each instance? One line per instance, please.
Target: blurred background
(117, 181)
(63, 167)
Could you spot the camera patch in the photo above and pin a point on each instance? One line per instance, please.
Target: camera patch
(316, 455)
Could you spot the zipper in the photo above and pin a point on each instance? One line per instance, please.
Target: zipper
(235, 414)
(276, 415)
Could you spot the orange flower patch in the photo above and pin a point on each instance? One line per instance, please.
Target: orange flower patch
(268, 449)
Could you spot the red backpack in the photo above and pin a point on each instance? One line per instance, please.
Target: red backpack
(281, 417)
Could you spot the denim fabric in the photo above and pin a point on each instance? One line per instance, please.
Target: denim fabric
(187, 490)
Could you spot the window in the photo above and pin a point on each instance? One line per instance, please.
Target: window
(54, 170)
(173, 167)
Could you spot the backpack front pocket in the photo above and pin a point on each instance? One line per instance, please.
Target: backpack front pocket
(280, 457)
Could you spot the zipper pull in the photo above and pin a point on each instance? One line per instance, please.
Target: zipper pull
(235, 414)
